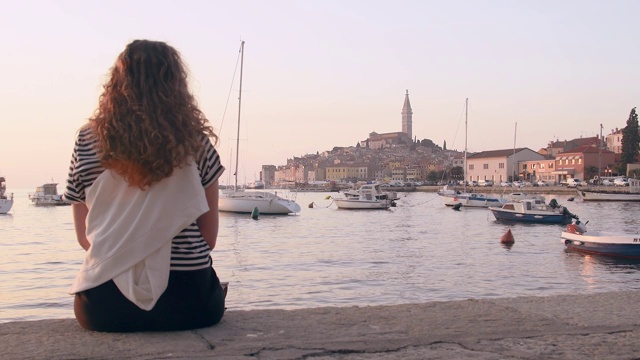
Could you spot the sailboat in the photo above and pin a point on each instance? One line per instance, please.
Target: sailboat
(458, 198)
(239, 201)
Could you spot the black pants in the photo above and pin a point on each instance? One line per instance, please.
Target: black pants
(193, 299)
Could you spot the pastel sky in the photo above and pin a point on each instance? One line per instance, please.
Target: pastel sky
(325, 73)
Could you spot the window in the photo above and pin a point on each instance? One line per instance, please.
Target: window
(524, 166)
(579, 161)
(485, 166)
(550, 165)
(470, 167)
(501, 166)
(573, 161)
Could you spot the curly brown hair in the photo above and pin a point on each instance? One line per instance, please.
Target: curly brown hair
(147, 122)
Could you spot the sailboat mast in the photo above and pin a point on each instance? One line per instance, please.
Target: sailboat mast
(466, 113)
(515, 170)
(235, 188)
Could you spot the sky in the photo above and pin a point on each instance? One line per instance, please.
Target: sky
(319, 74)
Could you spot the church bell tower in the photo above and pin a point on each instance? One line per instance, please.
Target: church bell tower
(407, 116)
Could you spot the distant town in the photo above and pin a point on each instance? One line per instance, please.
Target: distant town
(399, 157)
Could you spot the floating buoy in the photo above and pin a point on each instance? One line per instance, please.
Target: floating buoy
(311, 206)
(507, 238)
(255, 213)
(457, 206)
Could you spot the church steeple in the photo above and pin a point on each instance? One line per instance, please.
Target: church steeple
(407, 116)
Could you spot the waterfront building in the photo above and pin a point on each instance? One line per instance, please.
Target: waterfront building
(268, 175)
(556, 147)
(346, 173)
(580, 162)
(614, 141)
(498, 165)
(538, 170)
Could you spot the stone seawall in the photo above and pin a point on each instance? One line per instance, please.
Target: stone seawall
(593, 326)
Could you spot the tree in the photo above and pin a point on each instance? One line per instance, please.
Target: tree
(456, 172)
(630, 142)
(591, 171)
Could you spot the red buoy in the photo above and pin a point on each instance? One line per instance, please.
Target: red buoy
(507, 238)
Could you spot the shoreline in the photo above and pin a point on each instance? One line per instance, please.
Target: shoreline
(599, 325)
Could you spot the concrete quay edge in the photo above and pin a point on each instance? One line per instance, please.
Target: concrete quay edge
(593, 326)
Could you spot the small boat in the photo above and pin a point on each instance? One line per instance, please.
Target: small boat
(255, 185)
(369, 196)
(533, 211)
(516, 196)
(470, 199)
(47, 195)
(621, 245)
(608, 194)
(5, 203)
(391, 194)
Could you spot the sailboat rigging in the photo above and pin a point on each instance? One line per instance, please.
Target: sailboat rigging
(456, 198)
(239, 201)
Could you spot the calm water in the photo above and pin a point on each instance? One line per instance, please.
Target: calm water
(419, 251)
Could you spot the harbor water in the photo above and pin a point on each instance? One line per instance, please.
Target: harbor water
(418, 251)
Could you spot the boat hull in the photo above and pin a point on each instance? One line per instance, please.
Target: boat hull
(355, 204)
(5, 205)
(588, 195)
(614, 245)
(266, 203)
(538, 218)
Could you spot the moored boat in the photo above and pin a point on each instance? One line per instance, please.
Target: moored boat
(621, 245)
(369, 197)
(236, 200)
(391, 194)
(607, 194)
(533, 211)
(469, 199)
(266, 203)
(47, 195)
(5, 202)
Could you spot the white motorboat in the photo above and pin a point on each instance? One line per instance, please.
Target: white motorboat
(47, 195)
(369, 196)
(238, 201)
(391, 194)
(5, 202)
(469, 199)
(517, 196)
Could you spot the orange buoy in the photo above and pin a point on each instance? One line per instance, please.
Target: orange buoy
(507, 238)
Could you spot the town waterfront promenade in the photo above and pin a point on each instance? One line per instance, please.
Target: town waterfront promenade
(593, 326)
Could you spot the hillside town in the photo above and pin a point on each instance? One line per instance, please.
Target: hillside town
(400, 157)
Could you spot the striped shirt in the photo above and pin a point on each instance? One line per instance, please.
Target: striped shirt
(189, 250)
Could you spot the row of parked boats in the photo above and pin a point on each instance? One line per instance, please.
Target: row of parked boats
(524, 208)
